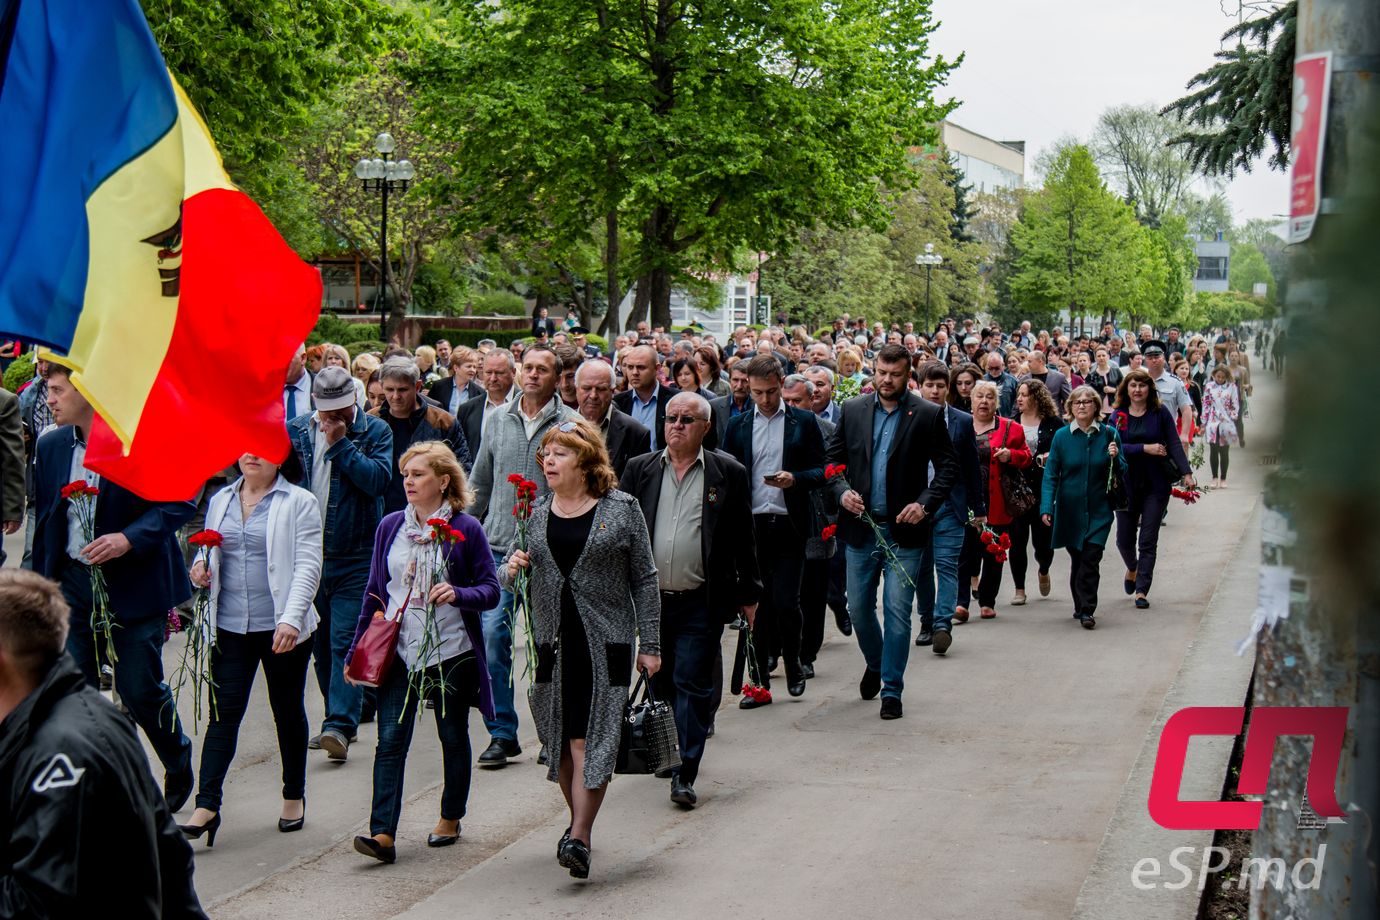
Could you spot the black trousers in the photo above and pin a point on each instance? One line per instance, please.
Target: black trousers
(977, 561)
(235, 661)
(1024, 530)
(780, 557)
(1138, 535)
(814, 598)
(1218, 455)
(690, 655)
(1084, 576)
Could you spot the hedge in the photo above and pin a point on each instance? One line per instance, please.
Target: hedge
(502, 337)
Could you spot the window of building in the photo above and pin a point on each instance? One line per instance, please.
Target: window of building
(1212, 268)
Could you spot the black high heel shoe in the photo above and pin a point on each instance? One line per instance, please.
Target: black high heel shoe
(287, 827)
(194, 831)
(575, 857)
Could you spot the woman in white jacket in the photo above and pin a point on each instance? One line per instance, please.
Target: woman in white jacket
(262, 581)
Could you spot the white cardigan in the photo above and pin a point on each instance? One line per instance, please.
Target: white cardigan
(294, 553)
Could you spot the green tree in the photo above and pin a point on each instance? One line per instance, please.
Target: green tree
(708, 129)
(1077, 246)
(1248, 267)
(1170, 284)
(827, 273)
(1242, 102)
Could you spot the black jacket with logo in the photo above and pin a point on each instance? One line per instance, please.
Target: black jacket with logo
(86, 832)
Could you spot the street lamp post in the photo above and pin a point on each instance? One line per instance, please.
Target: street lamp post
(929, 258)
(383, 175)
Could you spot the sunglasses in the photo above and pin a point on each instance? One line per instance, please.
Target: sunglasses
(684, 419)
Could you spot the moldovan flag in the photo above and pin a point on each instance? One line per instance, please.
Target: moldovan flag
(126, 250)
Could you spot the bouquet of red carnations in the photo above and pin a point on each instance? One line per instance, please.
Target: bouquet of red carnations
(522, 510)
(884, 549)
(195, 665)
(82, 496)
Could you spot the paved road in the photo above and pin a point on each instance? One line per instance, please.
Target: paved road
(989, 799)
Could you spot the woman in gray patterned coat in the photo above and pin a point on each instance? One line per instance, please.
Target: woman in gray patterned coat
(593, 593)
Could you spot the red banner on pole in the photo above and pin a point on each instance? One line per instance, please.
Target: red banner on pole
(1308, 133)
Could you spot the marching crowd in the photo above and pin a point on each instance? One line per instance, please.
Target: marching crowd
(636, 503)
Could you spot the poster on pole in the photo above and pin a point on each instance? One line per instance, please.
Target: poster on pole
(1308, 133)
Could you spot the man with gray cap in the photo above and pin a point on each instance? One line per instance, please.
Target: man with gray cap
(347, 461)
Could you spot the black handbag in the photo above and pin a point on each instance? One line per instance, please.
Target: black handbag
(1016, 492)
(648, 742)
(1117, 496)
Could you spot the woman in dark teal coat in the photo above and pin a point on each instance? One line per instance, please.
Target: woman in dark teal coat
(1075, 502)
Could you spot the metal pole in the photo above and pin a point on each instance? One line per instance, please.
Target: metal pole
(383, 258)
(929, 268)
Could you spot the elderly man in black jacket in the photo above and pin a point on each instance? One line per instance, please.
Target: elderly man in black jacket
(624, 436)
(696, 502)
(901, 467)
(85, 830)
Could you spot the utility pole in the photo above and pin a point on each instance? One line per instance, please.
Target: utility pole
(1320, 509)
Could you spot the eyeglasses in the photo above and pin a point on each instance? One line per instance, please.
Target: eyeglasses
(1085, 402)
(684, 419)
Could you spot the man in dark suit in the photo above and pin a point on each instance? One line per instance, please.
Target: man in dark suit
(888, 441)
(937, 593)
(738, 401)
(798, 391)
(498, 372)
(135, 545)
(624, 437)
(696, 504)
(645, 398)
(783, 452)
(1054, 381)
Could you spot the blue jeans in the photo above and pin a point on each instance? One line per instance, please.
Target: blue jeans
(937, 591)
(498, 648)
(339, 600)
(886, 646)
(398, 717)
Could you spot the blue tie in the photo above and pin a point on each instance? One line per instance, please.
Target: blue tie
(291, 402)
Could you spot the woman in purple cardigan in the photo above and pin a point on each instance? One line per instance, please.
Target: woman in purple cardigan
(449, 658)
(1155, 460)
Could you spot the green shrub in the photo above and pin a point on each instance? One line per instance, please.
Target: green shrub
(498, 303)
(328, 328)
(358, 348)
(20, 372)
(359, 332)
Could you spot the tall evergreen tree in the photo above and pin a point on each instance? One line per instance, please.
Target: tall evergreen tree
(1243, 100)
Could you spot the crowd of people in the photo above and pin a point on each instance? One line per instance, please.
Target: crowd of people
(621, 510)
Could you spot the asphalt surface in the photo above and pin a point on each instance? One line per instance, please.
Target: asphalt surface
(991, 798)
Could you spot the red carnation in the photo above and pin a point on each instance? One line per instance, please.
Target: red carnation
(828, 532)
(73, 488)
(207, 538)
(515, 478)
(437, 522)
(835, 469)
(988, 537)
(1005, 541)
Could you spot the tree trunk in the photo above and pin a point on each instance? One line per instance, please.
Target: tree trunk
(615, 291)
(642, 300)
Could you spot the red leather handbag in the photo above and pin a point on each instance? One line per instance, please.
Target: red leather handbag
(376, 649)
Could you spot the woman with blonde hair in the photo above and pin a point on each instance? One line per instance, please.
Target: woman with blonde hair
(425, 356)
(594, 594)
(450, 658)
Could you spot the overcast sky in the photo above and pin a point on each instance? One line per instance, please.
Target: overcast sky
(1039, 69)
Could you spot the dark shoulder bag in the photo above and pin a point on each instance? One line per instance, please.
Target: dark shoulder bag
(1016, 492)
(647, 741)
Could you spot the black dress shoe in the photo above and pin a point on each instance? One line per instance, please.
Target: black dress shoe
(943, 638)
(1142, 603)
(565, 838)
(288, 825)
(772, 662)
(498, 752)
(575, 857)
(1087, 621)
(683, 794)
(843, 622)
(795, 686)
(870, 685)
(442, 840)
(543, 759)
(371, 847)
(891, 707)
(177, 788)
(926, 637)
(807, 671)
(748, 702)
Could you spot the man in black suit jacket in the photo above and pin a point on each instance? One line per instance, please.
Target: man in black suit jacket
(783, 452)
(645, 398)
(624, 436)
(135, 545)
(738, 401)
(696, 503)
(498, 372)
(889, 440)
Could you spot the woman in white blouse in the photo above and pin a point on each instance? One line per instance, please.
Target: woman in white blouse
(262, 580)
(415, 574)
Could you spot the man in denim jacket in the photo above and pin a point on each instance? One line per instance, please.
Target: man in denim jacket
(347, 458)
